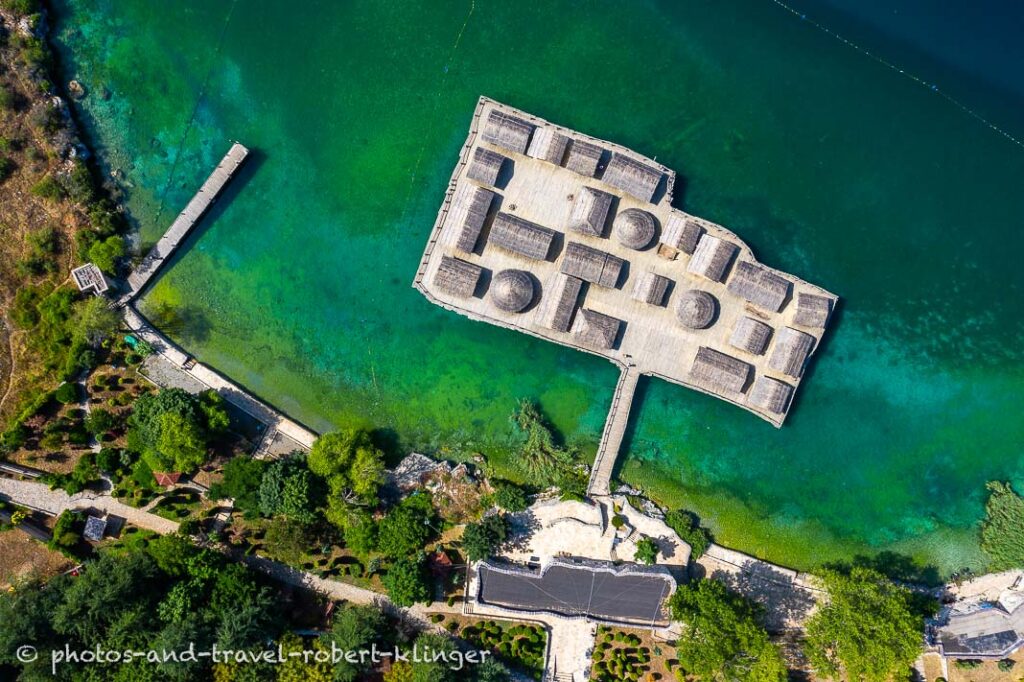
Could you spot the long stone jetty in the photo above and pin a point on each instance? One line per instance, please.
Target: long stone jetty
(186, 220)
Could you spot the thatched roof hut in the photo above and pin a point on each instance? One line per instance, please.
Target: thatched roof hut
(760, 285)
(547, 144)
(634, 228)
(791, 350)
(592, 265)
(812, 310)
(485, 167)
(719, 372)
(583, 158)
(507, 131)
(457, 277)
(681, 232)
(651, 288)
(512, 290)
(590, 211)
(751, 335)
(561, 294)
(696, 309)
(473, 206)
(770, 395)
(596, 329)
(521, 236)
(712, 257)
(632, 176)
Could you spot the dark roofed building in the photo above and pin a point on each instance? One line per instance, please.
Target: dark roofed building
(596, 329)
(507, 131)
(592, 265)
(514, 234)
(590, 211)
(476, 205)
(712, 257)
(457, 277)
(681, 232)
(95, 528)
(751, 335)
(547, 144)
(629, 594)
(988, 631)
(583, 158)
(770, 395)
(719, 372)
(812, 310)
(791, 350)
(561, 297)
(632, 177)
(651, 288)
(760, 286)
(635, 228)
(485, 167)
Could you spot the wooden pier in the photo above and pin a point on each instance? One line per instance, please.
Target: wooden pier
(614, 431)
(186, 220)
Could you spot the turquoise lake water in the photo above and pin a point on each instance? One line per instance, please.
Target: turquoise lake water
(830, 164)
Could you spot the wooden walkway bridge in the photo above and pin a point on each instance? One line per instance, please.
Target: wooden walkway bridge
(614, 431)
(186, 220)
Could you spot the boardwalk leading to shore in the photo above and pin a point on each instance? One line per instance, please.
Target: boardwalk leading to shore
(614, 431)
(187, 219)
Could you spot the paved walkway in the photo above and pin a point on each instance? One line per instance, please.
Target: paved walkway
(207, 378)
(38, 496)
(570, 641)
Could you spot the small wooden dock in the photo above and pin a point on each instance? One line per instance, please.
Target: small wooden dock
(187, 219)
(614, 431)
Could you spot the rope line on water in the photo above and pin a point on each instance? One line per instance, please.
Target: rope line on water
(903, 72)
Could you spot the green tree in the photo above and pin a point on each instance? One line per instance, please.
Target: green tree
(480, 540)
(722, 638)
(350, 463)
(406, 582)
(106, 253)
(287, 489)
(242, 478)
(215, 411)
(94, 320)
(510, 497)
(360, 533)
(66, 393)
(406, 528)
(866, 631)
(100, 421)
(168, 428)
(354, 628)
(647, 551)
(1002, 532)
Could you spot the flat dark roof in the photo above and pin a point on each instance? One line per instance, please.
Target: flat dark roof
(630, 594)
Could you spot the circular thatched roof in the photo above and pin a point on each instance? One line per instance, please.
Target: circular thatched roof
(634, 228)
(696, 309)
(512, 290)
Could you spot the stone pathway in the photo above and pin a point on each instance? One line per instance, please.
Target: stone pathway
(570, 641)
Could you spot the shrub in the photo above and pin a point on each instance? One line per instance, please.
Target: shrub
(510, 497)
(67, 393)
(48, 188)
(687, 526)
(6, 168)
(1006, 665)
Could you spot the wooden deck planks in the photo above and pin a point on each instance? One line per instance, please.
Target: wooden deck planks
(187, 219)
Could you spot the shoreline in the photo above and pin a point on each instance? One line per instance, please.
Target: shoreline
(82, 131)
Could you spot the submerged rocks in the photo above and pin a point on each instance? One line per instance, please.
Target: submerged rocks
(76, 90)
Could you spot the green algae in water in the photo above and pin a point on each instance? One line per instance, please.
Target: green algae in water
(829, 165)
